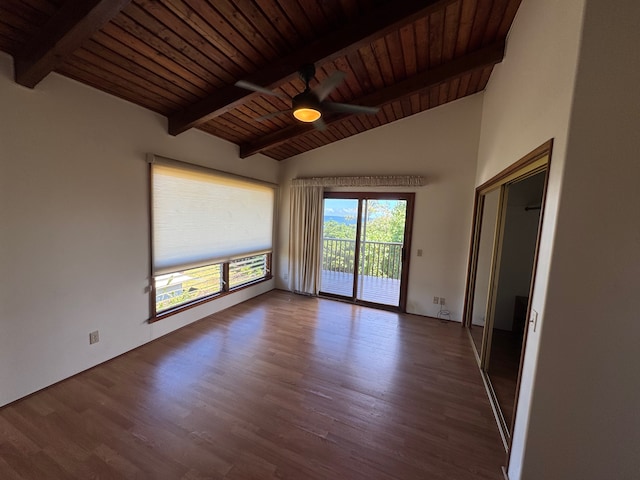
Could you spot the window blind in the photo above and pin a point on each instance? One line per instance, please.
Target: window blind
(200, 217)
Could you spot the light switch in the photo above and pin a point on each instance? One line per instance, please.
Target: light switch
(419, 252)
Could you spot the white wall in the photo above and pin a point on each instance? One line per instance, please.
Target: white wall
(585, 414)
(440, 144)
(74, 248)
(527, 102)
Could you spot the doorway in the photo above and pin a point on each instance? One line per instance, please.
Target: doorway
(365, 237)
(505, 240)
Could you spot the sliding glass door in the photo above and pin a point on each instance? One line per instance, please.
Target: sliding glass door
(501, 277)
(365, 237)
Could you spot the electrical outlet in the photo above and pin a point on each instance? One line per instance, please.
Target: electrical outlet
(94, 337)
(441, 300)
(436, 300)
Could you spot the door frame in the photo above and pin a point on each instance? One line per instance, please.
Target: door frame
(409, 197)
(535, 162)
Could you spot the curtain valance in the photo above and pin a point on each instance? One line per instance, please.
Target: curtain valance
(368, 181)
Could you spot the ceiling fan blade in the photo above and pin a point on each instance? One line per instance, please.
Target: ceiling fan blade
(257, 88)
(348, 108)
(271, 115)
(324, 88)
(320, 125)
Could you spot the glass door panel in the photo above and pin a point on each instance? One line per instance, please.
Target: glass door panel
(339, 233)
(486, 243)
(380, 254)
(513, 282)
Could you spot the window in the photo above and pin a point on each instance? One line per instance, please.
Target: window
(247, 270)
(177, 288)
(211, 233)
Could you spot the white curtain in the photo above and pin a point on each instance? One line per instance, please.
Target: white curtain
(305, 239)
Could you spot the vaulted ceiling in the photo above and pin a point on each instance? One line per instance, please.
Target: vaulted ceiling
(181, 58)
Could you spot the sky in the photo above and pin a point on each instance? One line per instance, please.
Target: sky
(339, 207)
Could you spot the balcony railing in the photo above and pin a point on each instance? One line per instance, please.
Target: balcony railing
(377, 259)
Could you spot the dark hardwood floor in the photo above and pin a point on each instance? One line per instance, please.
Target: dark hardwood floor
(279, 387)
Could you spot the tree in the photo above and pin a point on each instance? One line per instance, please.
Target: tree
(335, 229)
(385, 223)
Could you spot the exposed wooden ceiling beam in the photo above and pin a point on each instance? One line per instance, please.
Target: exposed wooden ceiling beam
(350, 37)
(485, 57)
(64, 33)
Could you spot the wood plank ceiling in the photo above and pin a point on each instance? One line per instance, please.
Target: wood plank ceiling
(181, 58)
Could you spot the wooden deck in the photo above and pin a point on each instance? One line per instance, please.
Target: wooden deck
(385, 291)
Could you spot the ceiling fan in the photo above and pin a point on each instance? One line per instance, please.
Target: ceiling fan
(310, 105)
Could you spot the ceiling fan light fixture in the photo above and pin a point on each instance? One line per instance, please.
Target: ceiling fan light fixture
(307, 114)
(306, 107)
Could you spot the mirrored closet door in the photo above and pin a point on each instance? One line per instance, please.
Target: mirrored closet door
(504, 249)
